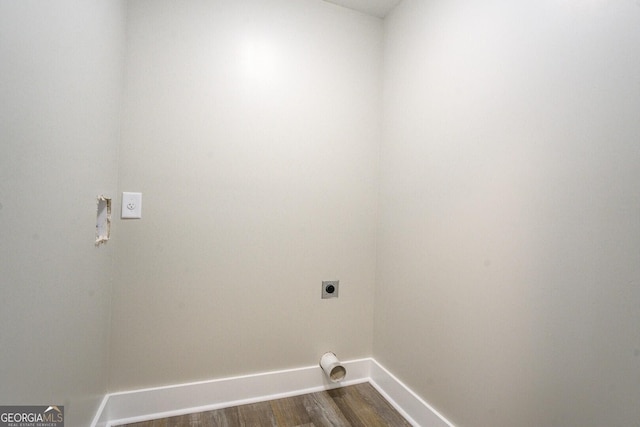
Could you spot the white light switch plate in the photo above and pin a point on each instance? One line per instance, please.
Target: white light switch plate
(131, 205)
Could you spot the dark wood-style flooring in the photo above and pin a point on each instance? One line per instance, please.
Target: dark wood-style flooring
(357, 405)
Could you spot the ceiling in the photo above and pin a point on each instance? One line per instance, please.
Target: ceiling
(378, 8)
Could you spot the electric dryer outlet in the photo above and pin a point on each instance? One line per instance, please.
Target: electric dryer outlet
(330, 289)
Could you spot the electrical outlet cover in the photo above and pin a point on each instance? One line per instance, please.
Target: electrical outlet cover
(131, 205)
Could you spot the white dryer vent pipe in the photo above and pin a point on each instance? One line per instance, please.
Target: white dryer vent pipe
(332, 367)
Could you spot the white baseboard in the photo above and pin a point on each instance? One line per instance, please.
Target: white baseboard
(410, 405)
(160, 402)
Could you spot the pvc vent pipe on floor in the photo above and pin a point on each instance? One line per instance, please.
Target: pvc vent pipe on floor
(332, 367)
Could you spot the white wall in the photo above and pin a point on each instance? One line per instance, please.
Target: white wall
(60, 98)
(252, 129)
(509, 236)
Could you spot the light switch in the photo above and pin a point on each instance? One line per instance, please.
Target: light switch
(131, 205)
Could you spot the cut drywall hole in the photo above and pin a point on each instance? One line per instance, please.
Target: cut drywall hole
(103, 220)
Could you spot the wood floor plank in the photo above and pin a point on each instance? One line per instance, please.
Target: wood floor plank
(323, 411)
(257, 414)
(363, 406)
(354, 406)
(384, 410)
(354, 409)
(226, 417)
(291, 411)
(189, 420)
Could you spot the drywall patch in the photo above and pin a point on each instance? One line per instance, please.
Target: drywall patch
(103, 220)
